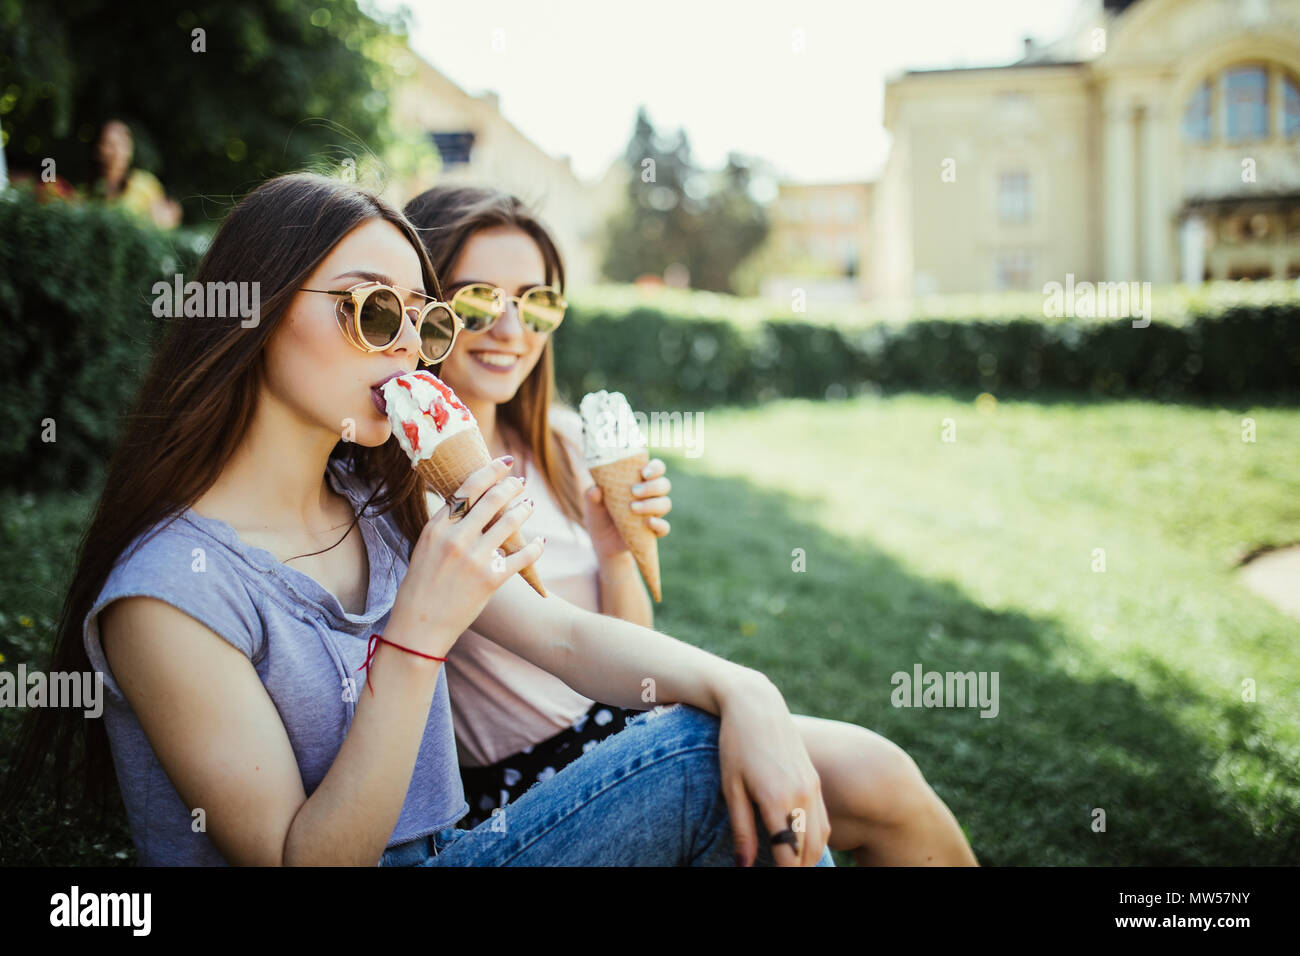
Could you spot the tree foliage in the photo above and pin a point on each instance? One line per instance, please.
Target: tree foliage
(267, 86)
(677, 215)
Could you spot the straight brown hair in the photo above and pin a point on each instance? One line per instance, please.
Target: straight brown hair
(445, 218)
(195, 404)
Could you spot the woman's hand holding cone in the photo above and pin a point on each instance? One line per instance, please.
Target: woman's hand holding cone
(616, 479)
(455, 568)
(650, 498)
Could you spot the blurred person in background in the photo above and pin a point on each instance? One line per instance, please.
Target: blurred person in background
(136, 190)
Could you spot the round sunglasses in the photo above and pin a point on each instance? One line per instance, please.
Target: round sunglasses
(478, 305)
(371, 314)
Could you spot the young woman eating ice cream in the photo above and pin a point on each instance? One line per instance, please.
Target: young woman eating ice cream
(271, 604)
(515, 723)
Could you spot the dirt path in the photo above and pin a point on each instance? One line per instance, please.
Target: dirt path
(1275, 576)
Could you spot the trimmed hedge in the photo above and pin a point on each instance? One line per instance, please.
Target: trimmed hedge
(75, 302)
(76, 293)
(668, 361)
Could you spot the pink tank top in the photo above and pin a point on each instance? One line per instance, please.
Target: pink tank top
(501, 703)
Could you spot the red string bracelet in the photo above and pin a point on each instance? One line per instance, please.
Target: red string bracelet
(370, 653)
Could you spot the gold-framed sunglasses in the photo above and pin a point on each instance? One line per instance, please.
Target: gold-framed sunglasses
(371, 313)
(479, 304)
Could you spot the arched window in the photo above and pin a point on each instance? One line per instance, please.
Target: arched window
(1239, 105)
(1196, 120)
(1245, 95)
(1290, 107)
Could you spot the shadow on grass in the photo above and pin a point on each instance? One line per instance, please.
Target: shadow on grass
(1069, 737)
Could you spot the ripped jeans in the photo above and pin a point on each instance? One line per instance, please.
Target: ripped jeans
(650, 795)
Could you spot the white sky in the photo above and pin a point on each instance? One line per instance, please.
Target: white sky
(571, 73)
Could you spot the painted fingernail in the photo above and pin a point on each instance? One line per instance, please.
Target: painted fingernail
(523, 480)
(508, 459)
(638, 489)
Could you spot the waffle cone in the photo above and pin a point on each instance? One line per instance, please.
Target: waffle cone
(616, 480)
(453, 461)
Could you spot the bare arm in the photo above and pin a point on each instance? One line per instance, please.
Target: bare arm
(220, 739)
(622, 592)
(605, 658)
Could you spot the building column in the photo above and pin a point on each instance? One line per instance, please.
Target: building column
(1155, 226)
(1119, 232)
(1192, 235)
(1276, 106)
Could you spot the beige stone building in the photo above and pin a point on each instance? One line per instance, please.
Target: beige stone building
(1158, 141)
(819, 240)
(478, 145)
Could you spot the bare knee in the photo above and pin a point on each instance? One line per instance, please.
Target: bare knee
(889, 788)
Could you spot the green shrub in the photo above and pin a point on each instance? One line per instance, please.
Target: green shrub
(656, 356)
(75, 300)
(663, 359)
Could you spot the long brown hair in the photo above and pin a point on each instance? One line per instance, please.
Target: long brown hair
(196, 403)
(445, 218)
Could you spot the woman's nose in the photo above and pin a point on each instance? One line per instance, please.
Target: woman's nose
(408, 340)
(508, 326)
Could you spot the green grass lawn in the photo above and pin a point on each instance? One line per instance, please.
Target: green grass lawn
(1119, 690)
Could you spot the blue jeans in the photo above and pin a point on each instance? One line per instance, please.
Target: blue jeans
(650, 795)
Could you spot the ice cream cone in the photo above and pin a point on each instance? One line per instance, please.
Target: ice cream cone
(453, 461)
(616, 479)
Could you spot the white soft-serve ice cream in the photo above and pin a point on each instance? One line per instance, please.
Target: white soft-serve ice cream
(616, 454)
(423, 411)
(609, 429)
(443, 441)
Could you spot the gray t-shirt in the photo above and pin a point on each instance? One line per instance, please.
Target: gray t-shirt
(306, 650)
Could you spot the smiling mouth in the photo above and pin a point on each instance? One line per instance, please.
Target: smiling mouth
(496, 361)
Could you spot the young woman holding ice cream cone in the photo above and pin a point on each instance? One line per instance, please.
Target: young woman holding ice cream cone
(271, 604)
(515, 723)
